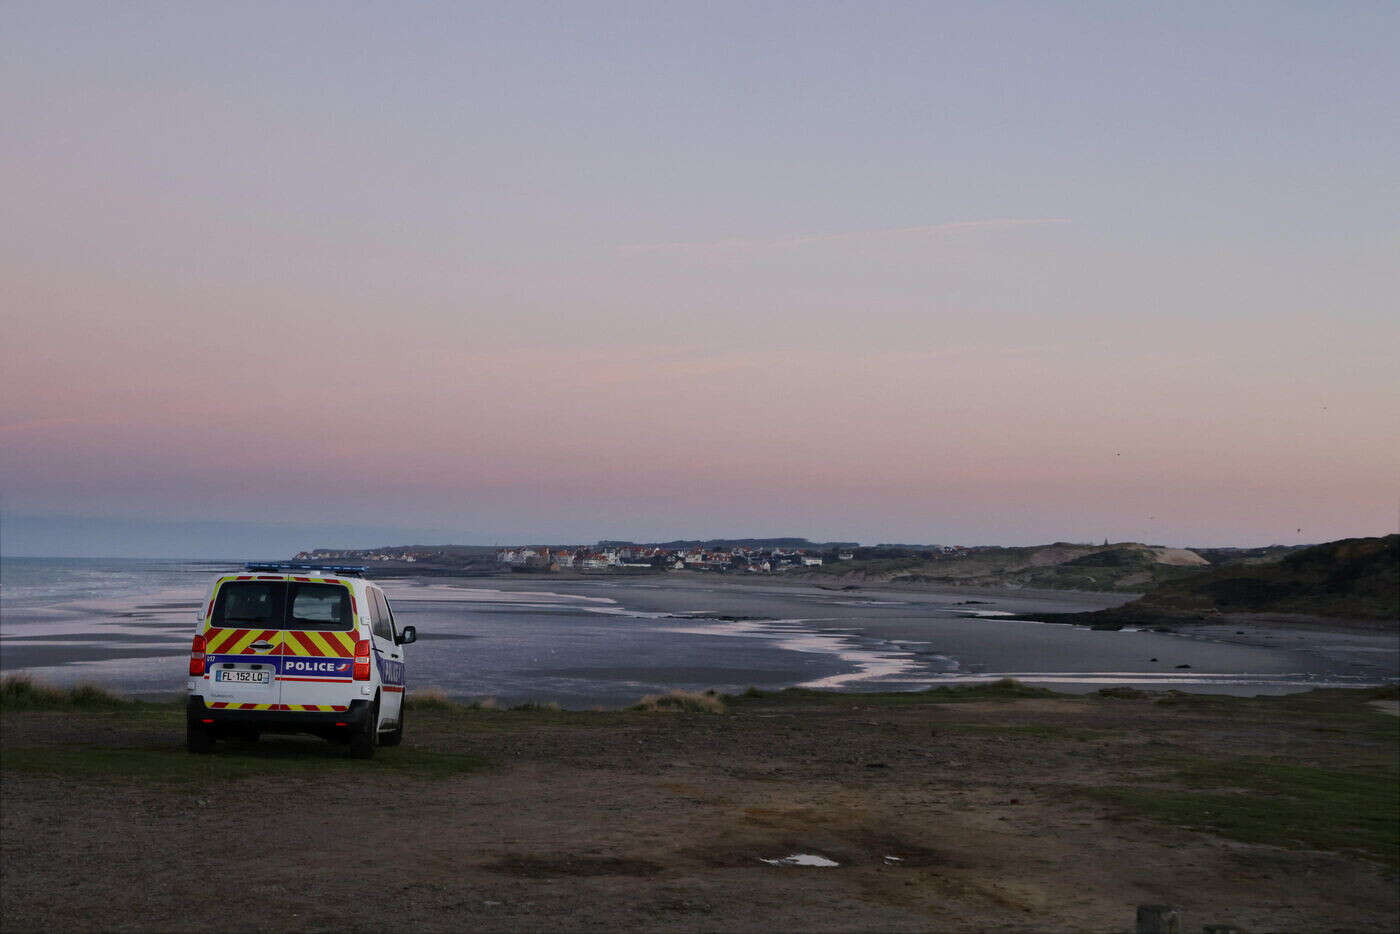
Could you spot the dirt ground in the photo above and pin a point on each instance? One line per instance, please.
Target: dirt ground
(971, 816)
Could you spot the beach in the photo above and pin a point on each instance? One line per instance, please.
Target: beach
(605, 641)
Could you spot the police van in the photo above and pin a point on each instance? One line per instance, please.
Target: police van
(297, 648)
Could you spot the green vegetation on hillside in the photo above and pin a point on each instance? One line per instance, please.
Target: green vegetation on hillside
(1354, 577)
(1126, 567)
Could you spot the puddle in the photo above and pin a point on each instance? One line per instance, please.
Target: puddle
(801, 859)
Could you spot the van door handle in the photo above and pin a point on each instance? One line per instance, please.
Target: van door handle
(261, 645)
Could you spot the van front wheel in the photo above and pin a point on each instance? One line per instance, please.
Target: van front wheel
(395, 736)
(364, 740)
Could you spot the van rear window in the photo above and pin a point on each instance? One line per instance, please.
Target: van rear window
(249, 604)
(283, 605)
(324, 607)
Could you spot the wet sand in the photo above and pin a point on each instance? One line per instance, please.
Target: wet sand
(608, 640)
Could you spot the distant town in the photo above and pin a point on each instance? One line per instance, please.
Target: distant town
(751, 560)
(756, 556)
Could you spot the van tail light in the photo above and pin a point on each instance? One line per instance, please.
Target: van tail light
(361, 660)
(197, 656)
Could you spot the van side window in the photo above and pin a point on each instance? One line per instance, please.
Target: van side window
(380, 615)
(389, 614)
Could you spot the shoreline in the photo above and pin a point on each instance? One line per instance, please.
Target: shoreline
(1114, 619)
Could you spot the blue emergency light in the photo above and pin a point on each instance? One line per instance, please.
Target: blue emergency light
(350, 569)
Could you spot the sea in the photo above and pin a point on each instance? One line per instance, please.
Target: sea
(606, 642)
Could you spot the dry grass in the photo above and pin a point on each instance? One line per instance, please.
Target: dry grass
(437, 699)
(681, 702)
(21, 692)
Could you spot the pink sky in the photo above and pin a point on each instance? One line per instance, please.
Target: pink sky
(849, 295)
(1025, 429)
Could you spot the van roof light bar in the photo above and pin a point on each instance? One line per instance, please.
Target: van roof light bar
(347, 569)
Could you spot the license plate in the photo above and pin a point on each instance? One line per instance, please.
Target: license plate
(246, 677)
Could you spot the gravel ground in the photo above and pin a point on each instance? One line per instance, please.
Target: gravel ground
(942, 816)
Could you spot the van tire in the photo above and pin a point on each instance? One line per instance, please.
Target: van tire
(363, 741)
(394, 736)
(198, 739)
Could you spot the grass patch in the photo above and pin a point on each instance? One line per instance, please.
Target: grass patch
(680, 702)
(231, 762)
(429, 699)
(433, 699)
(1282, 804)
(1006, 689)
(1003, 689)
(21, 692)
(536, 707)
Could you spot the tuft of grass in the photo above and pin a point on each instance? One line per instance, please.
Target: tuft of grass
(21, 692)
(536, 706)
(434, 699)
(753, 693)
(680, 702)
(1002, 689)
(1123, 692)
(1278, 803)
(429, 699)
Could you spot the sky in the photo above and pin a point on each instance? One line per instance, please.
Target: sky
(277, 275)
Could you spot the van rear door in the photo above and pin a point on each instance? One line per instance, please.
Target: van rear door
(242, 639)
(318, 647)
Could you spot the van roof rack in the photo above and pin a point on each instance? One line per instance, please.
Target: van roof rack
(346, 569)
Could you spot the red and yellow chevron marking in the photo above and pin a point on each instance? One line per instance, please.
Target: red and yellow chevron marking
(236, 641)
(230, 705)
(307, 642)
(293, 642)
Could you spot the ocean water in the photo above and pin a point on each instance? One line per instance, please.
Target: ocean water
(606, 642)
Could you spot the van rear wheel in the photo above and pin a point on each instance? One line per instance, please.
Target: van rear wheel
(363, 740)
(198, 739)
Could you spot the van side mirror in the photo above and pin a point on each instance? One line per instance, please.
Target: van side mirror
(406, 635)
